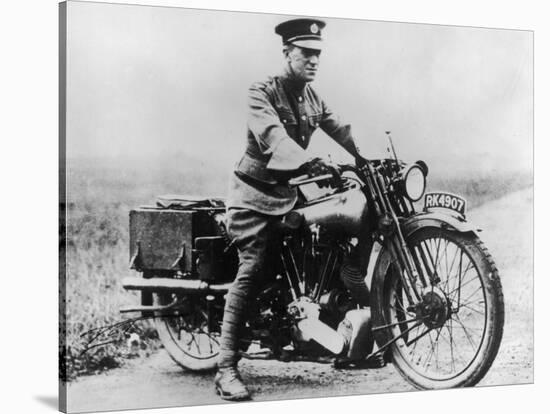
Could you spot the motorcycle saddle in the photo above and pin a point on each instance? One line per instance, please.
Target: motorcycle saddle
(189, 201)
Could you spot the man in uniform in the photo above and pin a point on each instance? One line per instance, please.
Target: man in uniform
(283, 113)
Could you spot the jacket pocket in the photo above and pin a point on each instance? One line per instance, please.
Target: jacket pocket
(287, 117)
(315, 120)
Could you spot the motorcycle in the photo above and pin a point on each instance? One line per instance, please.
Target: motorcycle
(433, 305)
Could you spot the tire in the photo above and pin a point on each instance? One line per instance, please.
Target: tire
(185, 334)
(456, 344)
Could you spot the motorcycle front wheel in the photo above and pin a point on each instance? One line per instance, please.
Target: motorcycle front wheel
(185, 332)
(451, 337)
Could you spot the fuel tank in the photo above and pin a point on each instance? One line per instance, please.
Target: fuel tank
(341, 212)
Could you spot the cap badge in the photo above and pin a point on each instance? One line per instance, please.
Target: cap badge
(314, 28)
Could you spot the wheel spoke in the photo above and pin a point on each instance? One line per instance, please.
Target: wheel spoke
(471, 328)
(446, 261)
(389, 325)
(459, 284)
(472, 294)
(436, 265)
(188, 329)
(194, 341)
(401, 305)
(437, 347)
(429, 261)
(432, 351)
(472, 309)
(400, 336)
(450, 270)
(413, 341)
(463, 285)
(466, 332)
(459, 278)
(480, 303)
(449, 330)
(457, 345)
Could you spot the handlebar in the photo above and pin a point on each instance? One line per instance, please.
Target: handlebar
(305, 179)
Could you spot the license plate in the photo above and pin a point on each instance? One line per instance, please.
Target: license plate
(445, 200)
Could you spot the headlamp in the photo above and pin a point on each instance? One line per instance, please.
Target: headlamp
(414, 182)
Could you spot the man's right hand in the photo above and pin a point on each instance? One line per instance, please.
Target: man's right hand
(314, 167)
(317, 166)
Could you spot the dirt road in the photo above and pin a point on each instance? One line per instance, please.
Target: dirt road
(158, 382)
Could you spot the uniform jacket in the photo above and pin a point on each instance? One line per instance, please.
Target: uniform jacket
(282, 116)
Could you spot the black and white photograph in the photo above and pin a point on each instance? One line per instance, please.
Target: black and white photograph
(265, 207)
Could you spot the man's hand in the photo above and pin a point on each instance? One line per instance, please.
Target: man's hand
(360, 162)
(312, 168)
(315, 166)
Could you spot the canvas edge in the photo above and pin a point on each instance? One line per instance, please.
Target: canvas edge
(62, 398)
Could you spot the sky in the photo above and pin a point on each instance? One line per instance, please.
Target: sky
(148, 81)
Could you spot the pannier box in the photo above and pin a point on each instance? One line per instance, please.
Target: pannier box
(163, 239)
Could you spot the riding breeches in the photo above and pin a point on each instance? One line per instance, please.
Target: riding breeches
(251, 232)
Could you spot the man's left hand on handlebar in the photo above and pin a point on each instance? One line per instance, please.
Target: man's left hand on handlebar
(360, 162)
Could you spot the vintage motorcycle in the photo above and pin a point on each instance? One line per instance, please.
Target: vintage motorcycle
(435, 308)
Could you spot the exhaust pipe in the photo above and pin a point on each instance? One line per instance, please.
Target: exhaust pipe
(309, 327)
(158, 284)
(324, 335)
(353, 338)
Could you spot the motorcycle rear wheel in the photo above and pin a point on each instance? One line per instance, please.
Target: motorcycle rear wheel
(454, 338)
(184, 332)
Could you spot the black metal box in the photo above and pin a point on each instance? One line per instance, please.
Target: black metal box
(162, 239)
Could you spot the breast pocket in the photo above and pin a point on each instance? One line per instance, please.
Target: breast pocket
(287, 117)
(315, 120)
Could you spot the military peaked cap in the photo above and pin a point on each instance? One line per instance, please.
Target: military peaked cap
(302, 32)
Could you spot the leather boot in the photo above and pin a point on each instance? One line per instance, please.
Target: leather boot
(229, 384)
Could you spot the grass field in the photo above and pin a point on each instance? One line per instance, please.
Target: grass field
(99, 197)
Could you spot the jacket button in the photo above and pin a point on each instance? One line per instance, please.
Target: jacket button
(303, 138)
(300, 98)
(284, 121)
(303, 117)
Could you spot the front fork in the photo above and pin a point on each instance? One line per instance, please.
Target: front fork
(407, 262)
(388, 227)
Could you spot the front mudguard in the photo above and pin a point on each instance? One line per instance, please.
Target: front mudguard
(438, 220)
